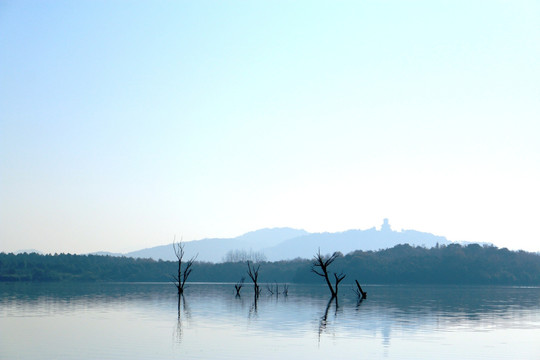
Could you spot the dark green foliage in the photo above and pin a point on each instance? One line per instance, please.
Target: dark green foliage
(68, 267)
(402, 264)
(452, 264)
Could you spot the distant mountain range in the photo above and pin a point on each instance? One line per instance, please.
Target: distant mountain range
(286, 243)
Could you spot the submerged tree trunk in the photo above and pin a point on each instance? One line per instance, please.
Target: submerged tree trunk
(361, 293)
(239, 285)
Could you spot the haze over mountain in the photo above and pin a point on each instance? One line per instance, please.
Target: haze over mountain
(287, 243)
(214, 249)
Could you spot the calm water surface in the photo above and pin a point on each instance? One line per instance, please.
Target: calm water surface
(145, 321)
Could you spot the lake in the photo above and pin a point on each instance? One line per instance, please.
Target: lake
(145, 321)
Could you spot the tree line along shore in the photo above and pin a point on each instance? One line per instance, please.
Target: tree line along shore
(403, 264)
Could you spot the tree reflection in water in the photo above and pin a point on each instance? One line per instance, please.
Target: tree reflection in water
(183, 314)
(324, 319)
(253, 308)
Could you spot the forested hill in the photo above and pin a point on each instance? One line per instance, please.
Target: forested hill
(452, 264)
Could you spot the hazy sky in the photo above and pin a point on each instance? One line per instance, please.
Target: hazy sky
(125, 123)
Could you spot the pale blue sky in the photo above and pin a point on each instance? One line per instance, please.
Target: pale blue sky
(124, 123)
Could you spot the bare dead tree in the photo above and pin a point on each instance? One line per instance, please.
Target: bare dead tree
(285, 289)
(184, 267)
(273, 289)
(244, 255)
(239, 285)
(253, 273)
(359, 292)
(320, 266)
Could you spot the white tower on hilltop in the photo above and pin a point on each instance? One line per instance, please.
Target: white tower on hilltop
(385, 227)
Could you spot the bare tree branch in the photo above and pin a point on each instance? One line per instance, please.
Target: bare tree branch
(359, 292)
(184, 270)
(239, 285)
(253, 273)
(320, 266)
